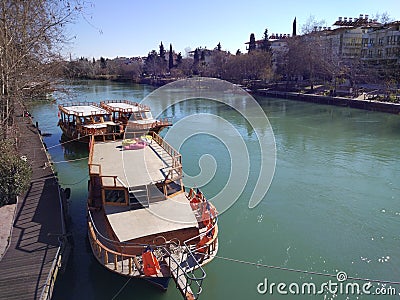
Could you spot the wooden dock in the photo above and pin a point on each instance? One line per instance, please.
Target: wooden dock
(27, 266)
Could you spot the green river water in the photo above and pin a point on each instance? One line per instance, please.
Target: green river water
(333, 204)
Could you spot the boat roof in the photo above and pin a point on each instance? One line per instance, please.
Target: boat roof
(124, 106)
(132, 167)
(135, 168)
(83, 110)
(163, 216)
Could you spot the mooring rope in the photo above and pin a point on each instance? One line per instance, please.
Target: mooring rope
(75, 183)
(69, 141)
(303, 271)
(70, 160)
(120, 290)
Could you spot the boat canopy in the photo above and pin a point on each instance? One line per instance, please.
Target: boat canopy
(84, 110)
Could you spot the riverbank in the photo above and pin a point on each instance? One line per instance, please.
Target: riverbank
(372, 105)
(34, 226)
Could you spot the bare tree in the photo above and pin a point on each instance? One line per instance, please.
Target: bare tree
(255, 65)
(31, 39)
(310, 24)
(383, 17)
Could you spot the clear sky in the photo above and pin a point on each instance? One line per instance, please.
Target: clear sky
(135, 27)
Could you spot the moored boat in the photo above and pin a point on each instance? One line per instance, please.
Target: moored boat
(136, 116)
(142, 222)
(84, 119)
(107, 120)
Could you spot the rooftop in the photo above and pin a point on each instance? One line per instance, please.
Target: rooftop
(83, 110)
(163, 216)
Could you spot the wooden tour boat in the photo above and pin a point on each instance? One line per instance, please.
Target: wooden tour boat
(142, 222)
(107, 120)
(134, 115)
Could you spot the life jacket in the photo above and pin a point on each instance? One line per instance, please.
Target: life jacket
(150, 263)
(194, 203)
(208, 214)
(201, 246)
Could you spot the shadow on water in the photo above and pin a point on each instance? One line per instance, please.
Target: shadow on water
(74, 149)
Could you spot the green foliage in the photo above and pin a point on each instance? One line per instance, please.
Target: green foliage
(15, 173)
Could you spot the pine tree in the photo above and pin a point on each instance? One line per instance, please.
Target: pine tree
(266, 45)
(170, 58)
(162, 51)
(196, 56)
(294, 27)
(203, 55)
(179, 59)
(252, 43)
(103, 63)
(219, 46)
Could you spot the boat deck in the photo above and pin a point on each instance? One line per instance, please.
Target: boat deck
(139, 170)
(132, 167)
(163, 216)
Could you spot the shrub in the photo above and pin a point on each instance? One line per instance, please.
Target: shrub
(15, 173)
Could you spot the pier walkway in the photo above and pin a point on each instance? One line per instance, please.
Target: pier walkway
(28, 264)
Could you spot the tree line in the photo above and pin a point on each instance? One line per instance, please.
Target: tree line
(217, 63)
(31, 39)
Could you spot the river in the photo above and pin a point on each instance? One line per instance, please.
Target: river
(333, 204)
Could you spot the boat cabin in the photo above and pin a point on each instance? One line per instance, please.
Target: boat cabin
(84, 119)
(135, 116)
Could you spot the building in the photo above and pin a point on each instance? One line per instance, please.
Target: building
(278, 45)
(381, 45)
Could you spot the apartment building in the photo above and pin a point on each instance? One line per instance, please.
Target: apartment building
(381, 46)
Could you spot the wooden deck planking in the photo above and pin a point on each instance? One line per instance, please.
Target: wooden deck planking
(34, 241)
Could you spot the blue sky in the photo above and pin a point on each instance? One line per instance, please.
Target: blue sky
(135, 27)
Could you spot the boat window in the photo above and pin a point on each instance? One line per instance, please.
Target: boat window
(107, 118)
(147, 115)
(97, 119)
(114, 196)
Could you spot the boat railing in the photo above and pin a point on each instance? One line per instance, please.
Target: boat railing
(176, 156)
(114, 179)
(174, 174)
(187, 271)
(133, 125)
(209, 248)
(63, 107)
(91, 146)
(94, 169)
(112, 255)
(140, 106)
